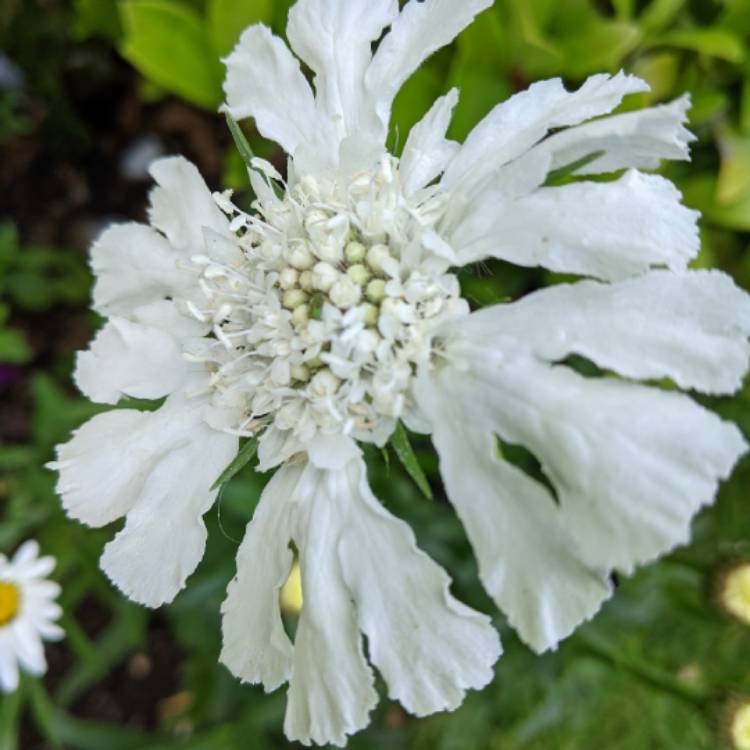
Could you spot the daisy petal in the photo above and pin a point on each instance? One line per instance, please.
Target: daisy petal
(258, 69)
(182, 206)
(692, 327)
(426, 669)
(331, 689)
(128, 359)
(427, 151)
(639, 222)
(256, 647)
(8, 664)
(527, 562)
(523, 120)
(421, 29)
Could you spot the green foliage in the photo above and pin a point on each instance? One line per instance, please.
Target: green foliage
(179, 48)
(653, 671)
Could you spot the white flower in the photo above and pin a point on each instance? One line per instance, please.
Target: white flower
(331, 311)
(27, 613)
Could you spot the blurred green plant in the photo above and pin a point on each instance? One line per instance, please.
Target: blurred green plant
(657, 667)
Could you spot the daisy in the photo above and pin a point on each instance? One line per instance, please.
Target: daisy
(331, 313)
(27, 613)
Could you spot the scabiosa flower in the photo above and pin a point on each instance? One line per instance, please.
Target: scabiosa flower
(27, 613)
(331, 311)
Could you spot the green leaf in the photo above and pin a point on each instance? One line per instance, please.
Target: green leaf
(246, 152)
(242, 459)
(700, 192)
(97, 17)
(712, 42)
(227, 19)
(559, 176)
(168, 43)
(659, 14)
(404, 451)
(13, 348)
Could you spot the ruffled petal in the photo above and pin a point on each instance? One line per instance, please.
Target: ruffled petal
(164, 536)
(128, 359)
(182, 206)
(421, 29)
(428, 151)
(331, 690)
(517, 124)
(428, 646)
(639, 139)
(334, 38)
(527, 562)
(135, 266)
(256, 647)
(607, 230)
(260, 67)
(158, 469)
(692, 327)
(631, 465)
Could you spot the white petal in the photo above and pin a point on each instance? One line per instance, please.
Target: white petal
(157, 468)
(264, 81)
(135, 266)
(182, 206)
(128, 359)
(332, 451)
(527, 562)
(102, 468)
(631, 465)
(692, 327)
(334, 38)
(523, 120)
(164, 535)
(168, 315)
(638, 139)
(608, 230)
(421, 29)
(28, 647)
(427, 151)
(256, 647)
(8, 663)
(276, 446)
(428, 646)
(28, 552)
(331, 689)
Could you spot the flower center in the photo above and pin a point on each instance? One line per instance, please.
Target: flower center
(325, 306)
(10, 600)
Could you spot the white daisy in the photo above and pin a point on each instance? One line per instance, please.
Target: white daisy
(331, 312)
(27, 613)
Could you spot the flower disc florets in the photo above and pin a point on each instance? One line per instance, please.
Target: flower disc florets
(326, 305)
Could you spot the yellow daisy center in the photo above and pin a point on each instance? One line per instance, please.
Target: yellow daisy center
(9, 602)
(736, 593)
(741, 728)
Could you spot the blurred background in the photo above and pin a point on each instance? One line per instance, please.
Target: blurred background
(90, 92)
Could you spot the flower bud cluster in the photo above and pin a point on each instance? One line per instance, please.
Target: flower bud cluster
(320, 323)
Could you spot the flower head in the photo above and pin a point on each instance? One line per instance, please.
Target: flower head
(27, 613)
(318, 320)
(739, 725)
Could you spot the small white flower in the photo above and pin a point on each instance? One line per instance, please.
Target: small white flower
(332, 311)
(27, 614)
